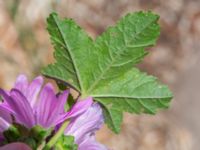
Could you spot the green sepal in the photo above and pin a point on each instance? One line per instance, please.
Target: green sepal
(32, 137)
(11, 134)
(39, 134)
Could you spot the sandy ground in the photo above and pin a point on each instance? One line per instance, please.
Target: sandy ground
(186, 110)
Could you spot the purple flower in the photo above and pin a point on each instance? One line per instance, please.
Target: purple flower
(31, 105)
(84, 126)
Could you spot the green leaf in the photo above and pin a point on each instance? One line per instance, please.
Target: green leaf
(66, 143)
(104, 68)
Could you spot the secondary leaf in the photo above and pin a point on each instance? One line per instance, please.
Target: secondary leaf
(66, 143)
(104, 69)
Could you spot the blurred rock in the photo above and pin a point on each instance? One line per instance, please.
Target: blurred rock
(12, 57)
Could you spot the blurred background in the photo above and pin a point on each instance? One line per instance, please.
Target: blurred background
(25, 48)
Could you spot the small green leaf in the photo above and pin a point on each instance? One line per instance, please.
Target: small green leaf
(105, 68)
(66, 143)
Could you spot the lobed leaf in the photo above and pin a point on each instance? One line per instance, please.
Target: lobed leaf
(104, 68)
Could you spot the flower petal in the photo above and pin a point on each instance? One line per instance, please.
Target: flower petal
(46, 105)
(80, 107)
(62, 98)
(20, 105)
(15, 146)
(21, 83)
(77, 109)
(4, 125)
(5, 113)
(86, 124)
(30, 91)
(58, 108)
(90, 144)
(33, 90)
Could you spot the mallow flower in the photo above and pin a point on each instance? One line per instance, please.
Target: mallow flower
(32, 104)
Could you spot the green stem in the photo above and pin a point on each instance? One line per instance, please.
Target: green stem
(55, 138)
